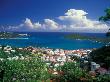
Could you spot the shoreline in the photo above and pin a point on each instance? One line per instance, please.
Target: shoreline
(14, 38)
(38, 47)
(45, 48)
(51, 41)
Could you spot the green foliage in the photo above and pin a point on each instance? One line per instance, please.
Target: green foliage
(72, 72)
(76, 58)
(103, 78)
(106, 19)
(33, 69)
(107, 16)
(3, 54)
(29, 70)
(17, 52)
(101, 55)
(22, 52)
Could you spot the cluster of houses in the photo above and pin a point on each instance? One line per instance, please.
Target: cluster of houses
(56, 57)
(7, 49)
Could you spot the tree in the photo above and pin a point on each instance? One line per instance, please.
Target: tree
(106, 19)
(28, 70)
(101, 55)
(72, 72)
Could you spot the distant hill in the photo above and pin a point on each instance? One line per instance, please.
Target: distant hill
(84, 37)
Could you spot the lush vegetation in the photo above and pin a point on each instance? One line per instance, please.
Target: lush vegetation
(32, 69)
(101, 55)
(22, 66)
(29, 70)
(106, 19)
(17, 52)
(71, 72)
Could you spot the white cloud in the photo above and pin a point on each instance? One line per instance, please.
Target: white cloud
(28, 23)
(76, 20)
(37, 25)
(73, 15)
(50, 24)
(73, 20)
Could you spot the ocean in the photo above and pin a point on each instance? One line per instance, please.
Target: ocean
(53, 40)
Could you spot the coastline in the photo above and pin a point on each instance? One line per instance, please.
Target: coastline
(14, 38)
(52, 40)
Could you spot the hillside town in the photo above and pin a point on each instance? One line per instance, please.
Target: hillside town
(57, 57)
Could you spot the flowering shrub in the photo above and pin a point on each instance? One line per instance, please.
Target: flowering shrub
(71, 72)
(14, 52)
(27, 70)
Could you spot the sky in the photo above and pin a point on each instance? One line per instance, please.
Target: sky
(53, 15)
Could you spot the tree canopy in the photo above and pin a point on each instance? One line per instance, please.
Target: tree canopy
(101, 55)
(106, 19)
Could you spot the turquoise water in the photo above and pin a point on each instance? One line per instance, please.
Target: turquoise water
(53, 40)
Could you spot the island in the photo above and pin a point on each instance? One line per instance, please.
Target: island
(11, 35)
(78, 36)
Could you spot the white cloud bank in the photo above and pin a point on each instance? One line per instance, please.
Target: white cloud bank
(50, 24)
(73, 20)
(77, 21)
